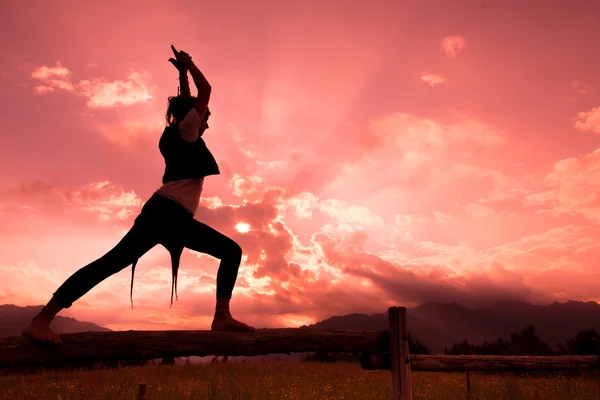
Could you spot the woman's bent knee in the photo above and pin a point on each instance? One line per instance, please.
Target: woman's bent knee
(235, 250)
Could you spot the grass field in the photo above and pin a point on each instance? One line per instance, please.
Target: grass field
(230, 381)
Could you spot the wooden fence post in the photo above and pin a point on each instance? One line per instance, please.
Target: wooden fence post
(469, 395)
(141, 391)
(399, 354)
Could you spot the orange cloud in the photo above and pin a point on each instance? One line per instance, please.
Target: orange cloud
(104, 93)
(284, 278)
(349, 215)
(26, 274)
(504, 186)
(57, 76)
(574, 184)
(407, 225)
(43, 89)
(104, 199)
(133, 134)
(589, 120)
(100, 92)
(48, 73)
(479, 211)
(452, 45)
(418, 134)
(433, 79)
(415, 143)
(579, 87)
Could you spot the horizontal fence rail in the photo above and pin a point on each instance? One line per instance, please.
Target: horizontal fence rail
(452, 363)
(20, 351)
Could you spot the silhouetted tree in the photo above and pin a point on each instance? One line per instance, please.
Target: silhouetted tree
(461, 348)
(493, 347)
(416, 347)
(527, 343)
(585, 342)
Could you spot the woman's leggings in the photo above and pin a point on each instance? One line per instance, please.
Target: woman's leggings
(161, 221)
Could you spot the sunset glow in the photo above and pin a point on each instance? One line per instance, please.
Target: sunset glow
(242, 228)
(370, 156)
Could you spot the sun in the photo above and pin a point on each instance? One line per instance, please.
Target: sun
(242, 227)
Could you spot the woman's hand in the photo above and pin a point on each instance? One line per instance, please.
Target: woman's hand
(181, 60)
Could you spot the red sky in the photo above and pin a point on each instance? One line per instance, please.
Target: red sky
(384, 153)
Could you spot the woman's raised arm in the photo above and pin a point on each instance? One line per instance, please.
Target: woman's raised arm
(200, 81)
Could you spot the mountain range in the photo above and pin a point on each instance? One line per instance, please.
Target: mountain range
(437, 325)
(13, 319)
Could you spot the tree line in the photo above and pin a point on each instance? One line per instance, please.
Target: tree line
(523, 343)
(528, 343)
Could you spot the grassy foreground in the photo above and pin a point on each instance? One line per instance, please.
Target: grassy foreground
(230, 381)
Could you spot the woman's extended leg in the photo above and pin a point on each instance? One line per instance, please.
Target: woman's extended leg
(204, 239)
(133, 245)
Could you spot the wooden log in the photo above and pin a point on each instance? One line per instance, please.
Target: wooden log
(143, 345)
(450, 363)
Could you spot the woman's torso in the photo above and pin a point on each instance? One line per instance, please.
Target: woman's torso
(184, 191)
(187, 163)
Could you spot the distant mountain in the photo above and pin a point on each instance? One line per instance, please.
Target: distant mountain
(439, 325)
(13, 319)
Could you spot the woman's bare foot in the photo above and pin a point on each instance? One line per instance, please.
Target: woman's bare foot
(39, 330)
(225, 322)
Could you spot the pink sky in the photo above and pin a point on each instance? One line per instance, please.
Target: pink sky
(390, 153)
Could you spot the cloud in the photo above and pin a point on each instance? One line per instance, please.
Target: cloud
(417, 134)
(588, 120)
(417, 143)
(479, 211)
(428, 272)
(504, 187)
(407, 226)
(105, 93)
(285, 280)
(353, 216)
(55, 77)
(420, 149)
(579, 88)
(26, 274)
(48, 73)
(572, 188)
(431, 282)
(103, 199)
(43, 89)
(527, 269)
(132, 134)
(433, 79)
(452, 45)
(100, 92)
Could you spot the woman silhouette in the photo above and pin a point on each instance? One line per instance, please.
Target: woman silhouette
(167, 218)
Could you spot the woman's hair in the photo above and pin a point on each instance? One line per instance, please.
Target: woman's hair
(178, 108)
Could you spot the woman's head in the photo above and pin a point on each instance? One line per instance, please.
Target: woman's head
(179, 107)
